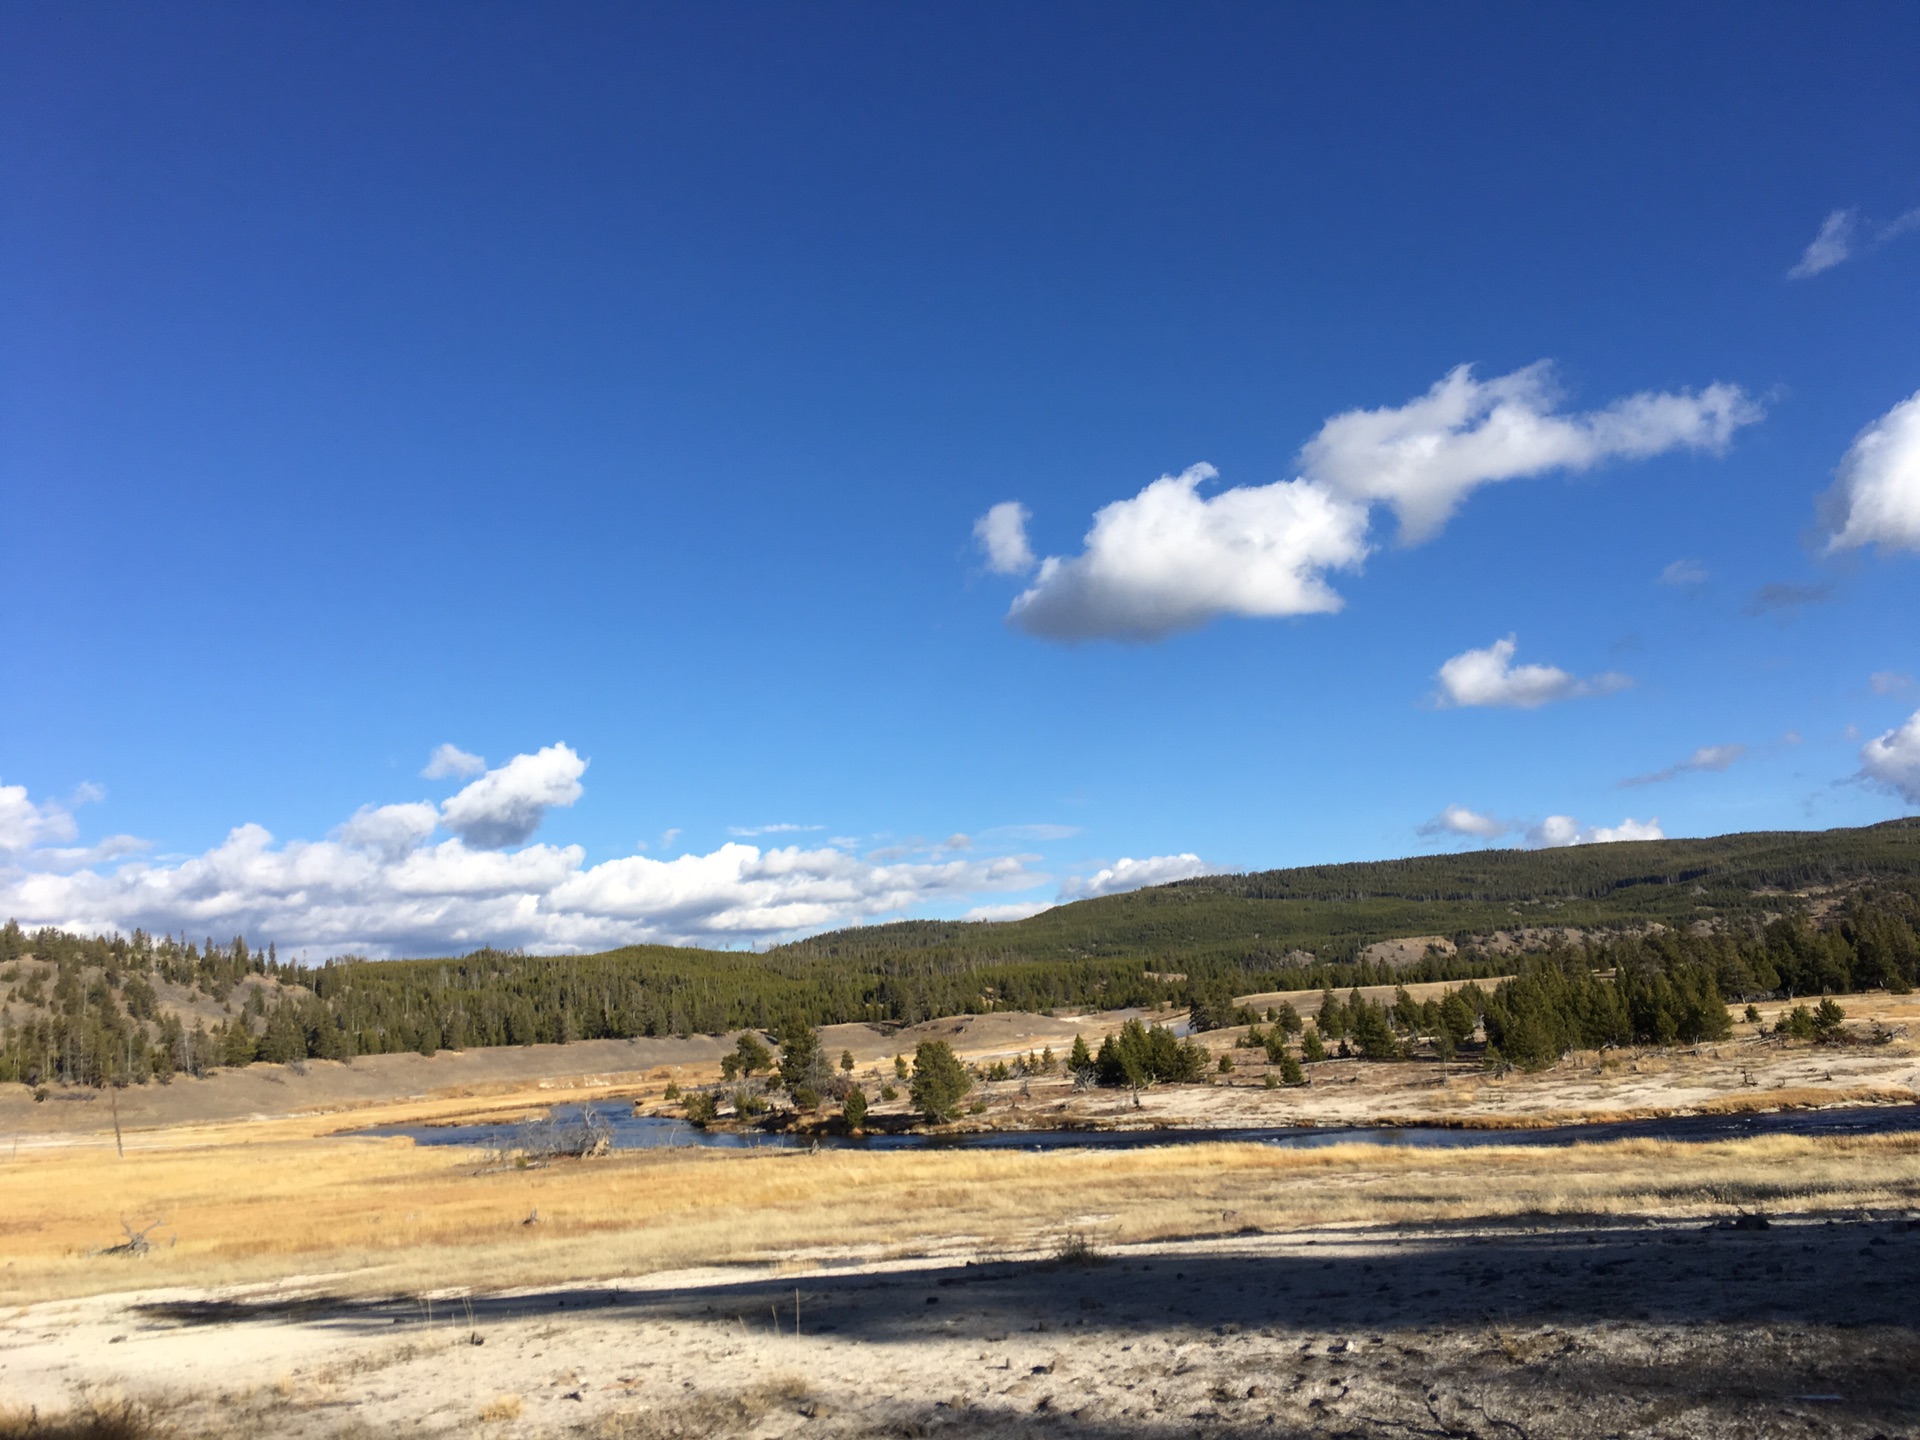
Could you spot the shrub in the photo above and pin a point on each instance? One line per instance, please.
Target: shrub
(1226, 1064)
(1290, 1071)
(805, 1097)
(701, 1108)
(1140, 1056)
(1312, 1047)
(939, 1080)
(856, 1108)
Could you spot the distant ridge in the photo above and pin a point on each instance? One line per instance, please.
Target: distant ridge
(1335, 911)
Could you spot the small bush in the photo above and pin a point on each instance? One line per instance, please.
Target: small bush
(856, 1108)
(1226, 1065)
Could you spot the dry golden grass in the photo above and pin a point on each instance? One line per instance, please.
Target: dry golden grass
(382, 1214)
(501, 1407)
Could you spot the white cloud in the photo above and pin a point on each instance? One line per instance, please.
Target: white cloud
(747, 832)
(1425, 457)
(1560, 830)
(381, 885)
(505, 806)
(1829, 248)
(1625, 830)
(1684, 574)
(1489, 677)
(1890, 682)
(1875, 499)
(451, 762)
(1893, 760)
(1128, 874)
(1459, 820)
(24, 824)
(1002, 533)
(1706, 758)
(1018, 910)
(112, 848)
(1170, 560)
(390, 829)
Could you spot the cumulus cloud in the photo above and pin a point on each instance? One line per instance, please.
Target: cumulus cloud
(24, 824)
(1706, 758)
(1459, 820)
(505, 806)
(1832, 246)
(1893, 760)
(389, 829)
(450, 762)
(1171, 559)
(1424, 458)
(1875, 499)
(1002, 533)
(1684, 574)
(1560, 830)
(382, 884)
(1489, 677)
(1128, 874)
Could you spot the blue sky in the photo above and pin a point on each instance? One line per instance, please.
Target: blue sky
(620, 388)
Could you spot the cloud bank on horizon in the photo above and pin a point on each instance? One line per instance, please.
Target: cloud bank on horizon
(1170, 559)
(382, 884)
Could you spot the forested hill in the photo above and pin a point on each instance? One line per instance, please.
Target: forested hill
(1794, 910)
(1255, 920)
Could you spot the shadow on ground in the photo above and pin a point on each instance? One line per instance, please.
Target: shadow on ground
(1845, 1274)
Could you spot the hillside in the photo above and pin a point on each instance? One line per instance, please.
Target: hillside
(1801, 910)
(1254, 920)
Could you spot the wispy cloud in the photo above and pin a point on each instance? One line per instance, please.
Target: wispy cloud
(1017, 910)
(1031, 834)
(1684, 574)
(451, 762)
(1832, 246)
(783, 828)
(1783, 595)
(1706, 758)
(1838, 242)
(1172, 558)
(1490, 678)
(1889, 682)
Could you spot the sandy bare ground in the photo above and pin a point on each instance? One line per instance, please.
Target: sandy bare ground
(1664, 1329)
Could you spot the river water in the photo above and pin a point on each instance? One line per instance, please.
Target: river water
(634, 1132)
